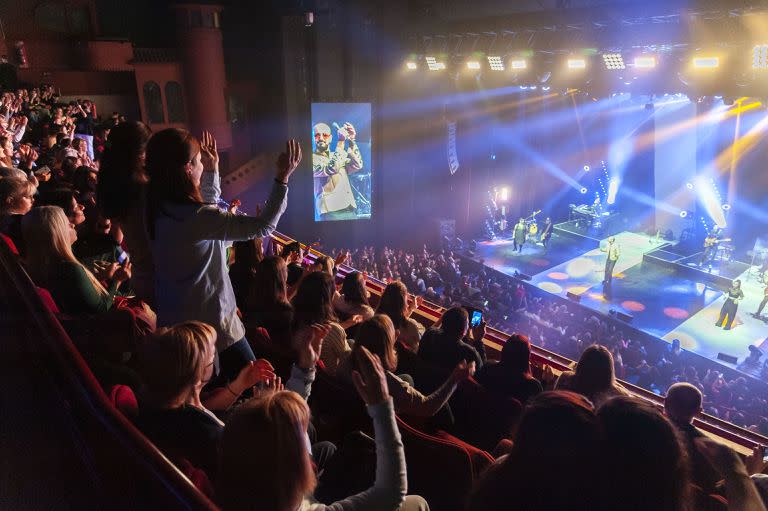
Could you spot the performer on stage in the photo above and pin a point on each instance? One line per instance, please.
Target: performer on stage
(731, 305)
(518, 235)
(333, 192)
(763, 303)
(546, 233)
(710, 247)
(613, 251)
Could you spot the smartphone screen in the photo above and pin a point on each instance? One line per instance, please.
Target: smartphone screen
(122, 255)
(477, 318)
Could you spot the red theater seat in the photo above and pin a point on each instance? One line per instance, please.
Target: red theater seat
(11, 245)
(123, 398)
(48, 300)
(441, 471)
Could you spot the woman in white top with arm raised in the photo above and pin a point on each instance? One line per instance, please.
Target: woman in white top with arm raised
(189, 236)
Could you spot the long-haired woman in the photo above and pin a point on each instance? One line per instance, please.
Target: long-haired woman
(394, 303)
(121, 192)
(189, 236)
(53, 266)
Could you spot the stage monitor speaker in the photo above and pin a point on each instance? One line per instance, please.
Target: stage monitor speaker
(576, 298)
(523, 276)
(727, 358)
(627, 318)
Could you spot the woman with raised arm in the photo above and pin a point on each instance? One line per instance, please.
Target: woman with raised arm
(189, 236)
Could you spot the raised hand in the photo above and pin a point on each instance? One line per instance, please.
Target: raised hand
(288, 161)
(104, 270)
(351, 133)
(272, 386)
(209, 153)
(123, 272)
(370, 379)
(310, 344)
(256, 371)
(462, 371)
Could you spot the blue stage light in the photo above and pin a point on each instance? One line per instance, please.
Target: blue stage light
(583, 190)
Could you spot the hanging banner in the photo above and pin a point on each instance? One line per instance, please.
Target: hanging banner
(453, 160)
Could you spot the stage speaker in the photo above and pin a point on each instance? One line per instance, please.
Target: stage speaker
(523, 276)
(576, 298)
(627, 318)
(727, 358)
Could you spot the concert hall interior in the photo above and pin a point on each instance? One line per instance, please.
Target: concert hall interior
(312, 255)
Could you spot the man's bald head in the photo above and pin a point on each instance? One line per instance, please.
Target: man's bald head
(683, 402)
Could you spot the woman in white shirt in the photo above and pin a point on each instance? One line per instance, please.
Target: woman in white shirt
(189, 237)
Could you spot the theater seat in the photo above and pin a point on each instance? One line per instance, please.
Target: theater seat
(439, 470)
(337, 409)
(262, 345)
(11, 245)
(123, 398)
(48, 300)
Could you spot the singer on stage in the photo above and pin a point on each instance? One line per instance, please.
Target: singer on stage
(731, 305)
(613, 251)
(333, 193)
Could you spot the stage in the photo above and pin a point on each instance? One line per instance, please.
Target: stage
(667, 294)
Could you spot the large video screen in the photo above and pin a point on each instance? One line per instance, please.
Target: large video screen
(341, 160)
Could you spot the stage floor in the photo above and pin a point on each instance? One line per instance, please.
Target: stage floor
(662, 301)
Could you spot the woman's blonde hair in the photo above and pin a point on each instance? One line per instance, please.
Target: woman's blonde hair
(378, 336)
(11, 188)
(265, 461)
(45, 230)
(173, 360)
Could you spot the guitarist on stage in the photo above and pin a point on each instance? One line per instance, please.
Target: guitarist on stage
(710, 247)
(546, 233)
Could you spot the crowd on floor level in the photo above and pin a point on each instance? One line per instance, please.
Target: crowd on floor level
(513, 305)
(228, 348)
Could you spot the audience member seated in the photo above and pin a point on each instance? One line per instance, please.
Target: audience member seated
(267, 304)
(594, 376)
(554, 463)
(266, 464)
(16, 198)
(511, 376)
(66, 199)
(52, 265)
(189, 238)
(313, 304)
(447, 345)
(353, 299)
(121, 192)
(395, 304)
(681, 405)
(377, 335)
(175, 364)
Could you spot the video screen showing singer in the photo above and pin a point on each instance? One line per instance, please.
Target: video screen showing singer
(340, 162)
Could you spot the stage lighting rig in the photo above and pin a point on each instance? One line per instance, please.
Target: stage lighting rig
(496, 63)
(473, 64)
(412, 66)
(574, 63)
(613, 61)
(645, 62)
(760, 56)
(706, 62)
(433, 64)
(518, 64)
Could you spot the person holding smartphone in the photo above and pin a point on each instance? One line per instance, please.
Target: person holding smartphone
(189, 236)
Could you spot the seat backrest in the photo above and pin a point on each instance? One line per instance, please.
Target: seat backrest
(11, 245)
(123, 398)
(483, 418)
(336, 407)
(48, 300)
(438, 470)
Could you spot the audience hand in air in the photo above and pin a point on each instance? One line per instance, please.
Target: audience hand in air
(209, 153)
(256, 371)
(754, 462)
(463, 371)
(548, 377)
(341, 257)
(272, 386)
(370, 379)
(310, 345)
(288, 161)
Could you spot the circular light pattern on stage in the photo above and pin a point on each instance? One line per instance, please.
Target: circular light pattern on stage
(558, 275)
(597, 296)
(618, 275)
(540, 262)
(676, 313)
(580, 267)
(551, 287)
(633, 306)
(577, 290)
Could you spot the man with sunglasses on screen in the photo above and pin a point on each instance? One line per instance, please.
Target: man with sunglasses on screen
(333, 194)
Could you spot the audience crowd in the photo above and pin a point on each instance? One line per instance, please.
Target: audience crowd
(512, 305)
(240, 356)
